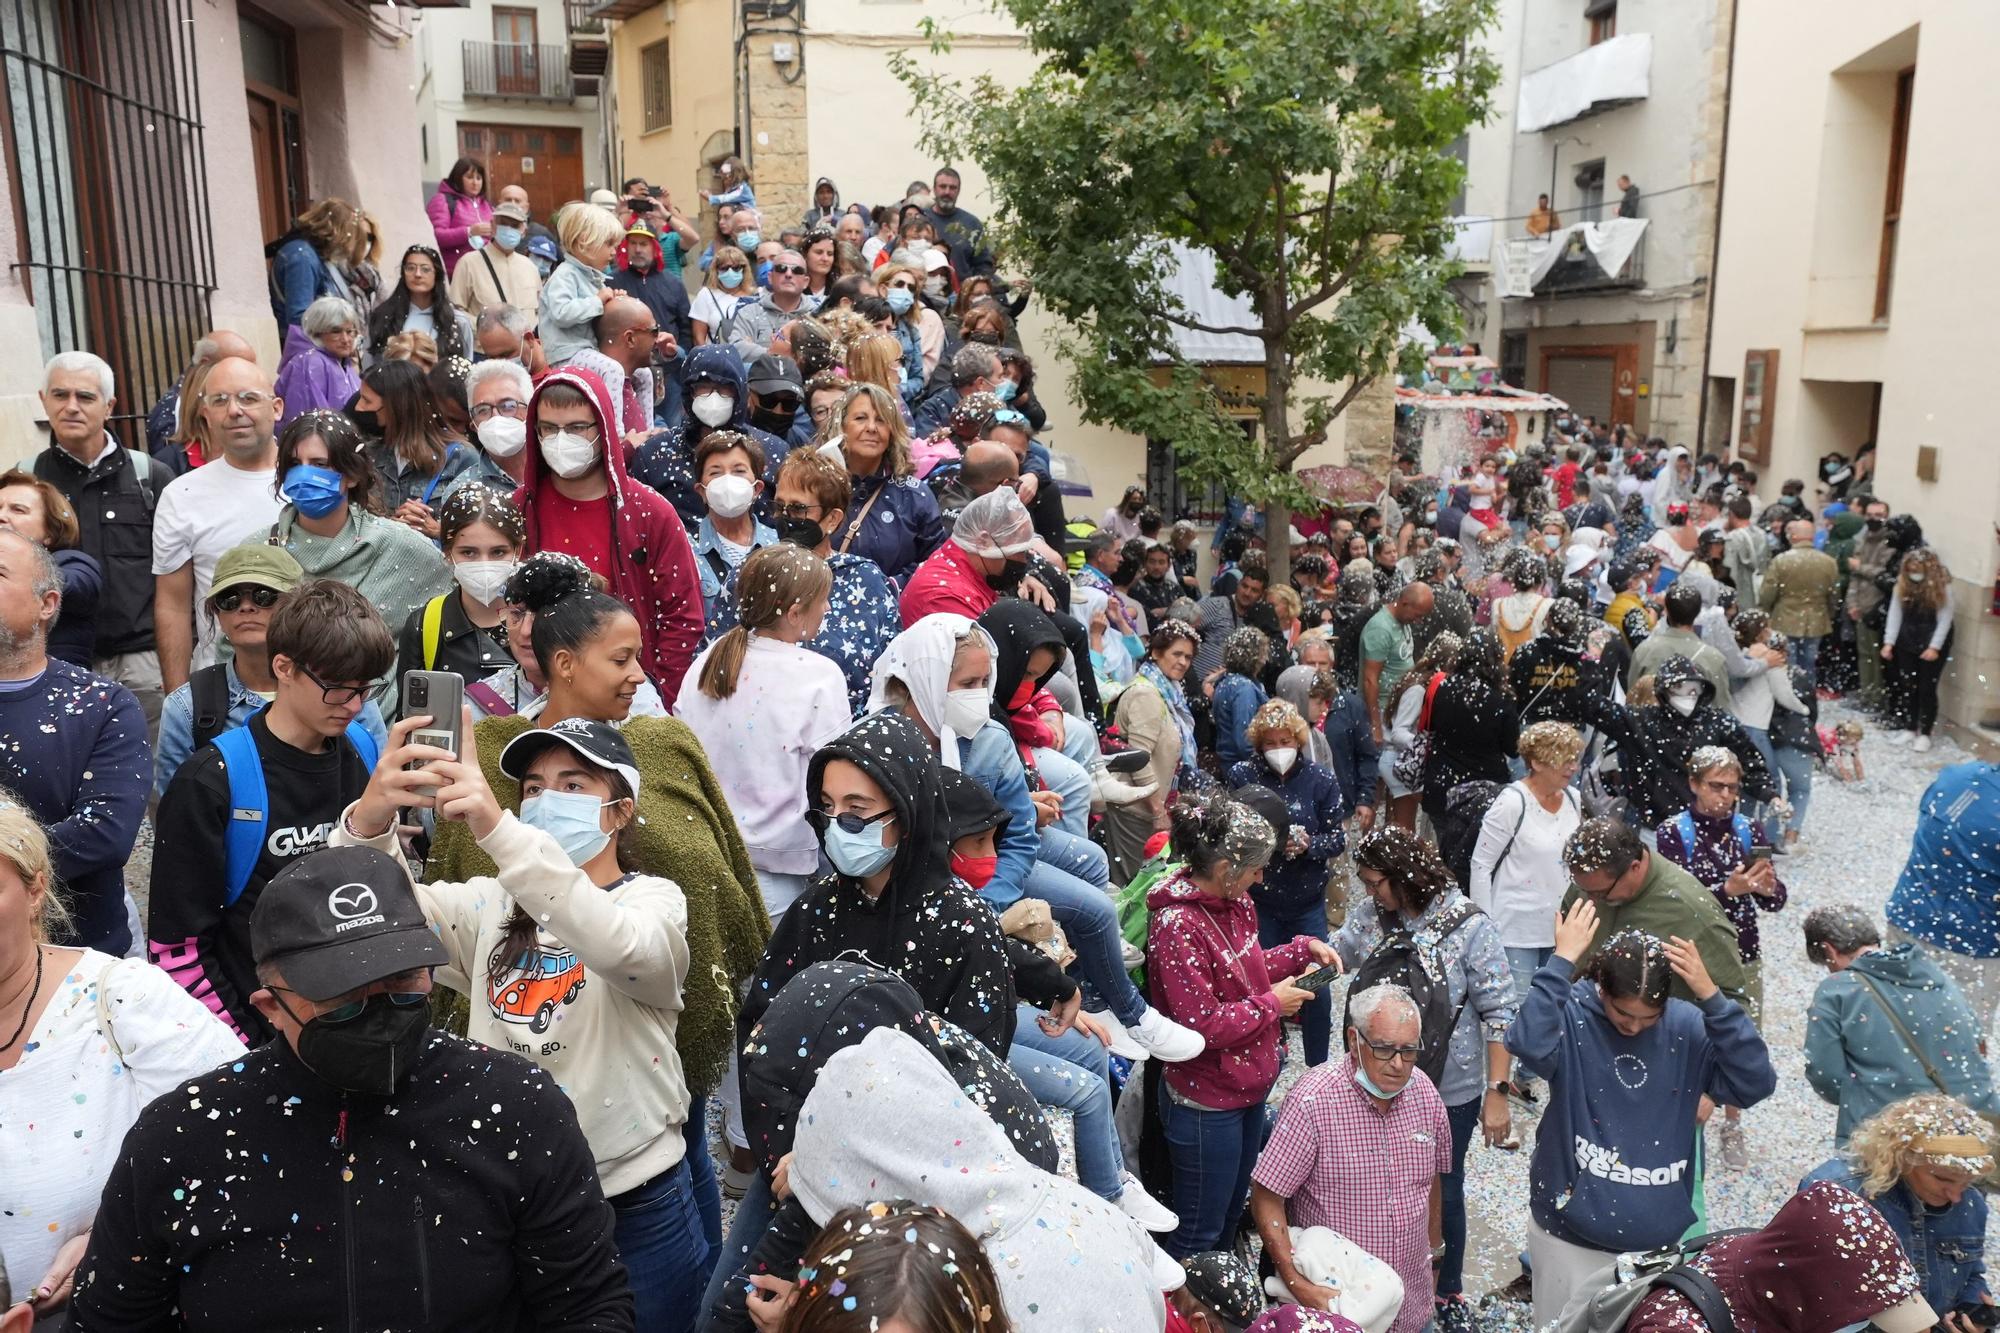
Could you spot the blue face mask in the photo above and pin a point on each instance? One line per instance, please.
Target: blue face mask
(1005, 390)
(542, 266)
(730, 278)
(1368, 1084)
(900, 299)
(748, 241)
(314, 491)
(571, 818)
(764, 274)
(507, 238)
(857, 855)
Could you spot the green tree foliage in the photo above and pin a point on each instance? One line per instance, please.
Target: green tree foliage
(1304, 143)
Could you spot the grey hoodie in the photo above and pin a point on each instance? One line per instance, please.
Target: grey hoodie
(885, 1121)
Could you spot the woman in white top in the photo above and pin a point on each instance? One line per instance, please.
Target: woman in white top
(728, 287)
(761, 703)
(570, 960)
(1518, 872)
(86, 1040)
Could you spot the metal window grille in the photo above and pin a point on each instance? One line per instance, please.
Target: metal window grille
(658, 78)
(103, 136)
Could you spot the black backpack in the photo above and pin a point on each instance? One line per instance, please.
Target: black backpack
(1398, 960)
(1465, 807)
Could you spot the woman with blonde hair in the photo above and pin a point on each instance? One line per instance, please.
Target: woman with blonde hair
(304, 260)
(1920, 1162)
(1916, 642)
(877, 358)
(893, 518)
(728, 287)
(86, 1040)
(39, 511)
(917, 326)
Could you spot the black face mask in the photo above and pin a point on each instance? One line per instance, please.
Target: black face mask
(373, 1053)
(804, 532)
(368, 423)
(1875, 524)
(773, 422)
(1009, 577)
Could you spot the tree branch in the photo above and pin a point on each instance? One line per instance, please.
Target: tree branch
(1333, 286)
(1298, 444)
(1190, 323)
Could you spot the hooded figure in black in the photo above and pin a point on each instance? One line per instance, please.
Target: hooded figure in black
(1474, 724)
(970, 809)
(1017, 629)
(1655, 742)
(824, 1009)
(1550, 675)
(666, 460)
(926, 926)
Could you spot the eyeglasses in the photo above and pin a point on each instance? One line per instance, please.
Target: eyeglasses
(505, 407)
(247, 399)
(649, 333)
(336, 695)
(353, 1009)
(262, 598)
(1390, 1053)
(795, 509)
(797, 269)
(819, 819)
(548, 430)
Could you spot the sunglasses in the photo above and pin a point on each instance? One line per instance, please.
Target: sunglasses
(731, 269)
(819, 819)
(262, 598)
(797, 269)
(353, 1009)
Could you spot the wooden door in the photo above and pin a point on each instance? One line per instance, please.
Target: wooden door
(514, 53)
(265, 147)
(544, 160)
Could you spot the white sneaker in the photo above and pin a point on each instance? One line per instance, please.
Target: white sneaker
(1165, 1040)
(1121, 1044)
(1144, 1209)
(1923, 744)
(1898, 738)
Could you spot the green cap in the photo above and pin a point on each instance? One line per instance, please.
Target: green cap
(256, 563)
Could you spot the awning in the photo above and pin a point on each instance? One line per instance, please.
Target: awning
(1498, 398)
(1190, 279)
(1611, 73)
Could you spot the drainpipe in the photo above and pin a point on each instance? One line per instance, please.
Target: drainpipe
(1715, 247)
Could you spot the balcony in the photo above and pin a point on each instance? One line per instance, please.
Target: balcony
(1471, 243)
(589, 48)
(506, 71)
(582, 22)
(1581, 258)
(1613, 73)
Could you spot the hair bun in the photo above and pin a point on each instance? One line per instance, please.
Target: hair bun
(545, 578)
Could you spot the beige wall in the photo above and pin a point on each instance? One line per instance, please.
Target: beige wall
(699, 58)
(1807, 159)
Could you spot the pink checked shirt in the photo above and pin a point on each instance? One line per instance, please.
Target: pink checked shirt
(1342, 1162)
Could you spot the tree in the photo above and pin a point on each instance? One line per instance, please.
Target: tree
(1304, 143)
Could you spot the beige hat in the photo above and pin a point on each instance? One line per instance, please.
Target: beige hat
(605, 200)
(1911, 1315)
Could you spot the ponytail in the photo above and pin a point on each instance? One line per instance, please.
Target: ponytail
(771, 582)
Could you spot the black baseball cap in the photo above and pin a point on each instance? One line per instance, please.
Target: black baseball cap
(771, 374)
(969, 808)
(599, 743)
(339, 919)
(1225, 1284)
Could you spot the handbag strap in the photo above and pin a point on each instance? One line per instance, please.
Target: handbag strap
(855, 527)
(1930, 1070)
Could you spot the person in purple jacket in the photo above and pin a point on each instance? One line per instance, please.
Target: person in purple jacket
(460, 212)
(320, 368)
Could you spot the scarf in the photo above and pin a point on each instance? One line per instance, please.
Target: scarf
(921, 657)
(1177, 708)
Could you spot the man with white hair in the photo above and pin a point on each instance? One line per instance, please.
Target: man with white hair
(496, 398)
(507, 333)
(1358, 1148)
(985, 558)
(112, 491)
(756, 323)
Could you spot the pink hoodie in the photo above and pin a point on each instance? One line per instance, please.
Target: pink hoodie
(1206, 970)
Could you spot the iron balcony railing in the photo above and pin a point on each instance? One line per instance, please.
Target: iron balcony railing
(504, 69)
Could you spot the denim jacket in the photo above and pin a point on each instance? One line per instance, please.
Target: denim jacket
(1476, 977)
(177, 726)
(708, 557)
(1947, 1247)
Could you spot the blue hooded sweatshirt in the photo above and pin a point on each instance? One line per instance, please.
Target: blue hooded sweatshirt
(1945, 896)
(666, 460)
(1613, 1167)
(1312, 795)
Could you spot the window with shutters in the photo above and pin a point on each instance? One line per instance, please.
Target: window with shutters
(1892, 206)
(656, 82)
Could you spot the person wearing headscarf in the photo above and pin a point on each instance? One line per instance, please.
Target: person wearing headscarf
(1057, 748)
(1826, 1261)
(1112, 655)
(985, 557)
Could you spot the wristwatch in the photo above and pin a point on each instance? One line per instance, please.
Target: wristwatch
(1502, 1087)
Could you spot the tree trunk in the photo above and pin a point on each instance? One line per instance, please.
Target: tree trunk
(1277, 432)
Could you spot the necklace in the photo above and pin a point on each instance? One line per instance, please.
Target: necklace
(33, 991)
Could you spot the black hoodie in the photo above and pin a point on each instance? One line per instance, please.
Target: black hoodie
(1017, 629)
(927, 927)
(825, 1009)
(1655, 742)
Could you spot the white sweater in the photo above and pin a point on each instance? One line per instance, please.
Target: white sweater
(65, 1107)
(601, 996)
(1522, 891)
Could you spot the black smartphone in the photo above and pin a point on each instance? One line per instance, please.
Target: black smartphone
(1977, 1313)
(1760, 854)
(440, 695)
(1318, 979)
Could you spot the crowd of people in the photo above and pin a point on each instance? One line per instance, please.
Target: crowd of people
(829, 806)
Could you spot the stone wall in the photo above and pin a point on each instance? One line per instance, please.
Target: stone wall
(776, 150)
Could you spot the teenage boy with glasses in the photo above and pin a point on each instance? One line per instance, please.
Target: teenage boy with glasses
(255, 799)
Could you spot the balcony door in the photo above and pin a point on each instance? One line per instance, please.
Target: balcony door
(515, 68)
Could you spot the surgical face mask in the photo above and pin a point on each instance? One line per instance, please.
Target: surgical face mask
(764, 274)
(857, 855)
(1914, 578)
(314, 491)
(728, 496)
(919, 248)
(1550, 541)
(1369, 1086)
(368, 423)
(571, 818)
(804, 532)
(483, 579)
(712, 408)
(1005, 390)
(507, 238)
(966, 711)
(1682, 701)
(1281, 758)
(503, 437)
(1009, 577)
(748, 241)
(568, 454)
(978, 871)
(1875, 524)
(730, 278)
(372, 1052)
(934, 285)
(542, 266)
(900, 300)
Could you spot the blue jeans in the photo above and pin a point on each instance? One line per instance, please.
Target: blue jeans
(1796, 766)
(657, 1230)
(1523, 964)
(754, 1212)
(1071, 781)
(701, 1177)
(1464, 1120)
(1213, 1153)
(1090, 919)
(1316, 1018)
(1072, 1072)
(1806, 653)
(1757, 812)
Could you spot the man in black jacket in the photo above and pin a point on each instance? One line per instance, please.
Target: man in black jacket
(363, 1170)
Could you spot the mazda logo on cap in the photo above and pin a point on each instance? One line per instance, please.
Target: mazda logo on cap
(350, 901)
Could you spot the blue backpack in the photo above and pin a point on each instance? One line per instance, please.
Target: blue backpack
(250, 800)
(1684, 825)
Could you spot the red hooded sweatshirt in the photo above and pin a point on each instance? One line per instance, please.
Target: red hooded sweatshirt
(1205, 970)
(631, 536)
